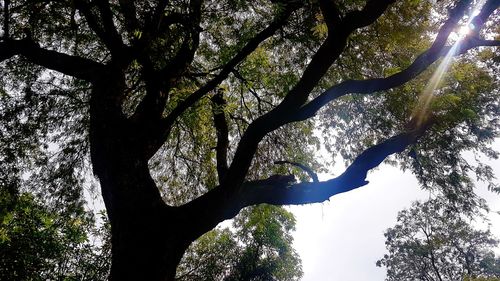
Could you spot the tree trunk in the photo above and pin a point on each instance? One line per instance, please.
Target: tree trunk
(146, 239)
(146, 244)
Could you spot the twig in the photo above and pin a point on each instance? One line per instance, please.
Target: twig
(305, 168)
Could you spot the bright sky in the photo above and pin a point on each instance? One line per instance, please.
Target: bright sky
(342, 239)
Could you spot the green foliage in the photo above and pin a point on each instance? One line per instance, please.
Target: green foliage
(257, 247)
(465, 110)
(433, 242)
(39, 244)
(44, 119)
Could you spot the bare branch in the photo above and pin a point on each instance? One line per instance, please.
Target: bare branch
(353, 177)
(222, 130)
(130, 14)
(107, 33)
(70, 65)
(305, 168)
(6, 19)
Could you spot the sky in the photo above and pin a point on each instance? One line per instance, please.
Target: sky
(343, 238)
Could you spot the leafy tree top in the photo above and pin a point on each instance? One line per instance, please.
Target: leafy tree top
(432, 242)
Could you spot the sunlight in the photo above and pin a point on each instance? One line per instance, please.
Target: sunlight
(425, 98)
(464, 30)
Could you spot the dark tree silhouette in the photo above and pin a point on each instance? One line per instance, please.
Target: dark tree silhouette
(128, 81)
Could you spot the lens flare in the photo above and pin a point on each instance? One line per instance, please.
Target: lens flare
(425, 98)
(420, 112)
(464, 30)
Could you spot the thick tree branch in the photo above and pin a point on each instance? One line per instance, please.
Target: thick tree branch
(115, 39)
(354, 176)
(330, 13)
(106, 33)
(185, 56)
(226, 200)
(75, 66)
(421, 63)
(370, 86)
(329, 51)
(158, 82)
(488, 8)
(129, 14)
(91, 19)
(222, 130)
(398, 143)
(282, 189)
(6, 19)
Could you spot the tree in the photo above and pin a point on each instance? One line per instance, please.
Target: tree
(182, 107)
(258, 248)
(37, 243)
(431, 242)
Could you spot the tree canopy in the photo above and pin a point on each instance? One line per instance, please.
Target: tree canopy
(259, 247)
(188, 111)
(432, 242)
(39, 243)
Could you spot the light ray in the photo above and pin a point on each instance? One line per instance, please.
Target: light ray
(427, 94)
(421, 111)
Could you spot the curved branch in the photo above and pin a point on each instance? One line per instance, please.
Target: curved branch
(221, 203)
(354, 176)
(226, 200)
(305, 168)
(106, 33)
(370, 86)
(330, 13)
(114, 38)
(75, 66)
(326, 55)
(185, 56)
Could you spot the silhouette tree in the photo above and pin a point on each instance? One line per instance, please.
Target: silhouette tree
(182, 107)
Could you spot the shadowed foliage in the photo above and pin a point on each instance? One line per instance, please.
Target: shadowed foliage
(179, 110)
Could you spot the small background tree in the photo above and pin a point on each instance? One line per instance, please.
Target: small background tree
(434, 242)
